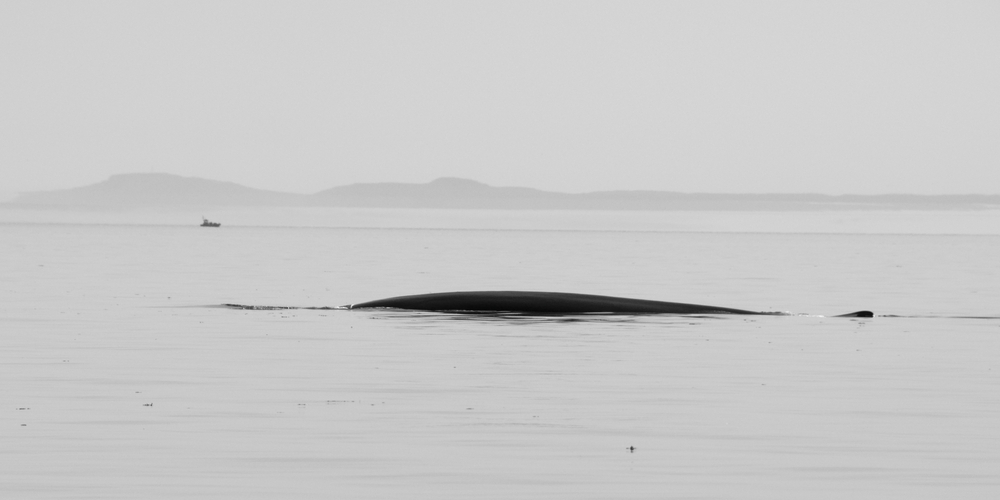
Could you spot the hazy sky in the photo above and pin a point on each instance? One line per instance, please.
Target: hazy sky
(802, 96)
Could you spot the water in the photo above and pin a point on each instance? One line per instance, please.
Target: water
(121, 378)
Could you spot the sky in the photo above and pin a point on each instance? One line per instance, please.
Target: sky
(862, 97)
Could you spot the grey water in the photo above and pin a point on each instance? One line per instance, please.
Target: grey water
(122, 377)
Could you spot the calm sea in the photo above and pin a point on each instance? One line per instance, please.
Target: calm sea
(122, 378)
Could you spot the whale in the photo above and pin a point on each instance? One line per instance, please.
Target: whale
(551, 303)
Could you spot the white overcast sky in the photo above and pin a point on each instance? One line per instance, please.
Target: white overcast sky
(801, 96)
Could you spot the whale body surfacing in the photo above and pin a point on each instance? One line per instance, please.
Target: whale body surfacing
(550, 303)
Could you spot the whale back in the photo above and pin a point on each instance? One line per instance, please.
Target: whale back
(541, 302)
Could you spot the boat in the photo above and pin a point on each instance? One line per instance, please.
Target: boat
(207, 223)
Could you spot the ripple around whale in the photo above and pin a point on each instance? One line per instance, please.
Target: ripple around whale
(508, 314)
(551, 303)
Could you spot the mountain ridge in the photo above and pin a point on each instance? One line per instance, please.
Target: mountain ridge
(170, 190)
(158, 189)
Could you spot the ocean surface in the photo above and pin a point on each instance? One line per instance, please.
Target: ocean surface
(122, 376)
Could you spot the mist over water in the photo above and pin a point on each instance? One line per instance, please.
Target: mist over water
(123, 378)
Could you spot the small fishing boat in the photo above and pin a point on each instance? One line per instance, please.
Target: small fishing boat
(207, 223)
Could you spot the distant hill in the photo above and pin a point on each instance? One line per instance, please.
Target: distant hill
(161, 190)
(450, 192)
(446, 192)
(167, 190)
